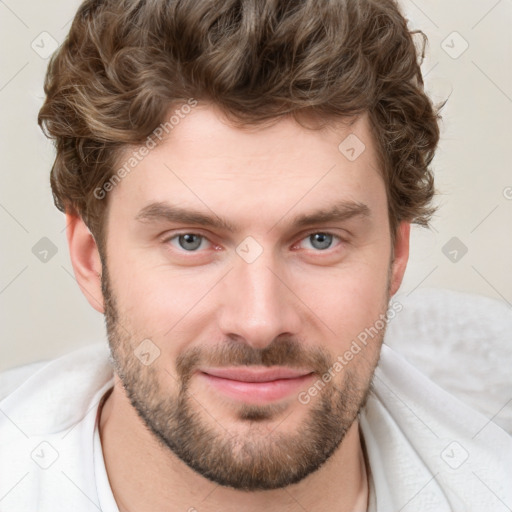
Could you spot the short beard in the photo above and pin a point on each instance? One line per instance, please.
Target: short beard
(261, 460)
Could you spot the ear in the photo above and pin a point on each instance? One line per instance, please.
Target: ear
(86, 261)
(401, 256)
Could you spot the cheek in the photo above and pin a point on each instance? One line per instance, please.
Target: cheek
(348, 301)
(161, 300)
(149, 287)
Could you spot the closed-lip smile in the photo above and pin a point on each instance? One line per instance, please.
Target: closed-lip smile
(246, 374)
(256, 385)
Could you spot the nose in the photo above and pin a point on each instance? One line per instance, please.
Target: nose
(258, 302)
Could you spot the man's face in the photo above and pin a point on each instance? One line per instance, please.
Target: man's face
(243, 316)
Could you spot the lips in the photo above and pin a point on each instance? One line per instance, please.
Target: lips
(255, 385)
(255, 375)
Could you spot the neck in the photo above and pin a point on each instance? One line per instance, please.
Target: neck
(145, 475)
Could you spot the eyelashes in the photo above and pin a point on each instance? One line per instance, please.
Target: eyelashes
(191, 242)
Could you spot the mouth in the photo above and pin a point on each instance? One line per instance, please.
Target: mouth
(256, 385)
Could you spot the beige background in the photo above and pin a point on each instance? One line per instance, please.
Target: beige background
(43, 313)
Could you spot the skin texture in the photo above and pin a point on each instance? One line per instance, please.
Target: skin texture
(171, 440)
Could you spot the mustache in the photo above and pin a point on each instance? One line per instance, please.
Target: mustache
(285, 351)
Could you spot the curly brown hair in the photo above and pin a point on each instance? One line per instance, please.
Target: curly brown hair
(126, 63)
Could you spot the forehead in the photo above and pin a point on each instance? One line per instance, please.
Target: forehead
(259, 172)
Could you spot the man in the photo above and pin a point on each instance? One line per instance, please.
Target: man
(239, 180)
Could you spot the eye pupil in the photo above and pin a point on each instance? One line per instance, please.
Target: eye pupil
(324, 240)
(191, 241)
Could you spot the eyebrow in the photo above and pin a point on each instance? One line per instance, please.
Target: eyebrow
(166, 212)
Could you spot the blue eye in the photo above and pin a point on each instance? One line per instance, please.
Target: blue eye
(188, 241)
(320, 240)
(192, 242)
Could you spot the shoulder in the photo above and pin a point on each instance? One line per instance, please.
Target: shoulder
(14, 377)
(417, 432)
(48, 396)
(48, 415)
